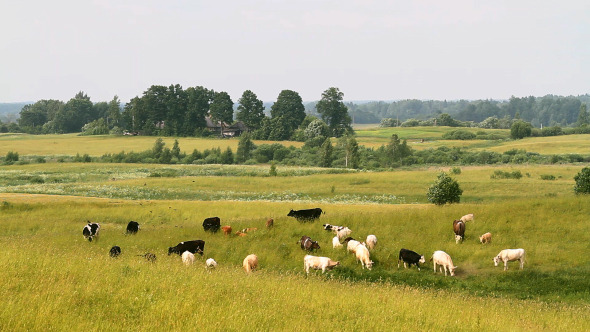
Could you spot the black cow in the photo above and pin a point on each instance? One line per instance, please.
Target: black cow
(90, 231)
(305, 215)
(308, 244)
(194, 246)
(115, 251)
(212, 224)
(333, 228)
(132, 227)
(410, 257)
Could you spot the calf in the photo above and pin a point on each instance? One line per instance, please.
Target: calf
(336, 242)
(444, 261)
(371, 242)
(226, 230)
(132, 227)
(211, 263)
(270, 223)
(467, 217)
(510, 255)
(115, 251)
(410, 257)
(332, 228)
(308, 244)
(318, 263)
(194, 247)
(90, 231)
(250, 263)
(212, 224)
(362, 254)
(459, 229)
(188, 258)
(305, 215)
(486, 238)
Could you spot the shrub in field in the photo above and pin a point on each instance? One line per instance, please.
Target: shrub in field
(456, 170)
(520, 129)
(582, 181)
(444, 190)
(547, 177)
(11, 157)
(506, 175)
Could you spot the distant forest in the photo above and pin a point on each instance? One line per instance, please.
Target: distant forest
(549, 110)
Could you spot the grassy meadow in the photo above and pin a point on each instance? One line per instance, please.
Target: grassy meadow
(51, 278)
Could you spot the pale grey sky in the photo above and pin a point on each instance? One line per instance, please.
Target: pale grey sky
(378, 50)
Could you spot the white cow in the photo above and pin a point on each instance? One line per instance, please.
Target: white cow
(362, 254)
(510, 255)
(318, 263)
(444, 261)
(467, 217)
(211, 263)
(352, 245)
(188, 258)
(343, 233)
(336, 242)
(250, 263)
(371, 242)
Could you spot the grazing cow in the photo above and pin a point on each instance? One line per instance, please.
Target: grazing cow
(308, 244)
(343, 233)
(249, 229)
(459, 229)
(211, 263)
(305, 215)
(269, 223)
(250, 263)
(90, 231)
(318, 263)
(510, 255)
(226, 230)
(336, 242)
(467, 217)
(332, 228)
(444, 261)
(132, 227)
(115, 251)
(194, 247)
(410, 257)
(239, 233)
(149, 257)
(362, 254)
(212, 224)
(371, 242)
(486, 238)
(188, 258)
(352, 245)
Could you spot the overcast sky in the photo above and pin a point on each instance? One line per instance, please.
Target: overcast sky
(370, 50)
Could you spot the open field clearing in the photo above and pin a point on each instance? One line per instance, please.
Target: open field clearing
(547, 145)
(71, 283)
(71, 144)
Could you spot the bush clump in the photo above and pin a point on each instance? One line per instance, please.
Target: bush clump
(444, 190)
(582, 181)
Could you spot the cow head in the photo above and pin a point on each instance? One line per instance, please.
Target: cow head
(496, 260)
(170, 250)
(422, 259)
(315, 245)
(369, 264)
(327, 227)
(291, 213)
(452, 270)
(458, 238)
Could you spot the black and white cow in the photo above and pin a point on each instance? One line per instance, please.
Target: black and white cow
(305, 215)
(212, 224)
(193, 246)
(410, 257)
(90, 231)
(132, 227)
(115, 251)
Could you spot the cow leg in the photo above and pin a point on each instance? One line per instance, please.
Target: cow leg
(505, 265)
(398, 263)
(521, 263)
(418, 266)
(433, 263)
(405, 266)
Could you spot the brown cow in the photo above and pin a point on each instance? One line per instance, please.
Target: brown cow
(269, 223)
(226, 230)
(459, 229)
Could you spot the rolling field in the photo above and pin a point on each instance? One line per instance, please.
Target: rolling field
(51, 278)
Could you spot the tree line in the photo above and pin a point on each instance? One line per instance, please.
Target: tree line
(174, 111)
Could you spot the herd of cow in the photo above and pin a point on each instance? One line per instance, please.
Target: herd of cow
(361, 250)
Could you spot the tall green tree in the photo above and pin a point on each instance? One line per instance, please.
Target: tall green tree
(250, 110)
(291, 112)
(114, 113)
(520, 129)
(176, 103)
(327, 151)
(334, 112)
(583, 117)
(76, 113)
(33, 117)
(397, 150)
(199, 99)
(222, 109)
(245, 148)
